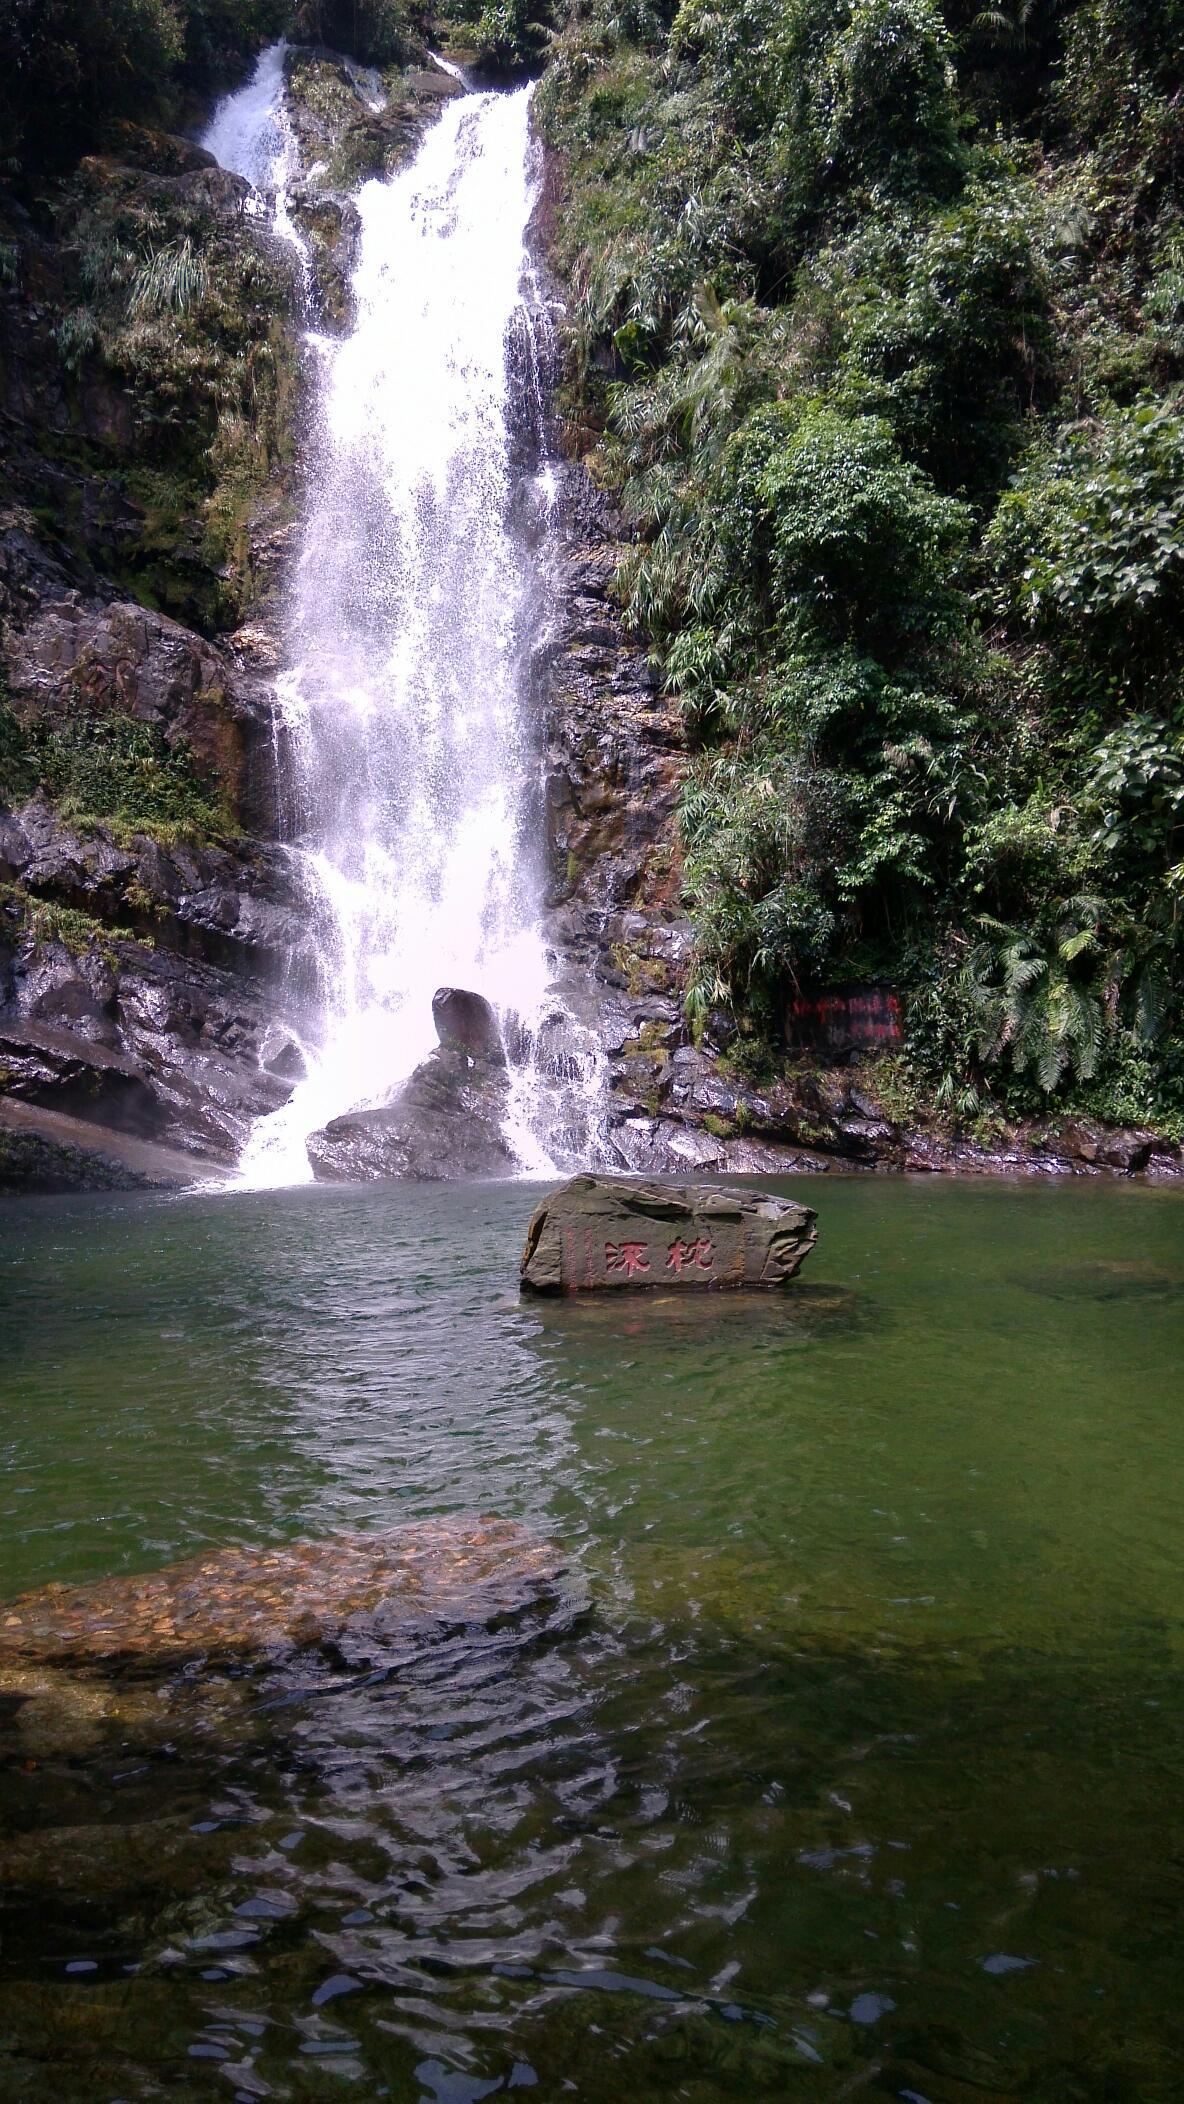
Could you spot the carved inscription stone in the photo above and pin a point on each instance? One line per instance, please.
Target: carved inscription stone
(599, 1233)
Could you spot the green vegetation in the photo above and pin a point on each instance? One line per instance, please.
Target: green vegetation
(68, 68)
(104, 768)
(878, 321)
(379, 32)
(506, 35)
(47, 920)
(185, 315)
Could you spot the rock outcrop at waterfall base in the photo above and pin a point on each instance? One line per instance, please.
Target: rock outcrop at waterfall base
(466, 1022)
(445, 1123)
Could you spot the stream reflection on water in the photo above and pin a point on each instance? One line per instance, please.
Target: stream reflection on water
(846, 1760)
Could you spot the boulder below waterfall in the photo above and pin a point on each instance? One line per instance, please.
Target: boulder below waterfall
(466, 1022)
(444, 1124)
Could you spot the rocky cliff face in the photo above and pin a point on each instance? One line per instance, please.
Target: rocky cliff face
(616, 760)
(149, 396)
(143, 912)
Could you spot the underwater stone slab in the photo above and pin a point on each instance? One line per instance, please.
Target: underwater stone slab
(600, 1234)
(251, 1600)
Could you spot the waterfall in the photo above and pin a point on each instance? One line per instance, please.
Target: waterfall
(413, 633)
(250, 133)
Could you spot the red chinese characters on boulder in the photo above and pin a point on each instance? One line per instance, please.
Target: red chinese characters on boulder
(615, 1235)
(630, 1258)
(692, 1256)
(627, 1257)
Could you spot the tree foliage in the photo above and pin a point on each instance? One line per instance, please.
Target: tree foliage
(879, 312)
(507, 36)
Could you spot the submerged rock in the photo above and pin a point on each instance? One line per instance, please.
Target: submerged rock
(266, 1600)
(595, 1235)
(1104, 1278)
(445, 1123)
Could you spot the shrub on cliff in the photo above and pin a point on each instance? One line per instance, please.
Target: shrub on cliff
(1089, 542)
(379, 32)
(103, 768)
(66, 65)
(506, 35)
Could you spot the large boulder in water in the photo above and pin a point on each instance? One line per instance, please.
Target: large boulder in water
(598, 1234)
(444, 1124)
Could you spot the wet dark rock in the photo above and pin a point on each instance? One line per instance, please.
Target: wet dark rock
(445, 1123)
(430, 85)
(122, 658)
(1105, 1278)
(157, 152)
(141, 1041)
(151, 1009)
(52, 1153)
(466, 1023)
(137, 1041)
(184, 1070)
(615, 758)
(670, 1146)
(596, 1235)
(287, 1061)
(349, 124)
(1096, 1146)
(78, 1076)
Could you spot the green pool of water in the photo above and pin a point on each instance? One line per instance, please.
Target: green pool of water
(853, 1767)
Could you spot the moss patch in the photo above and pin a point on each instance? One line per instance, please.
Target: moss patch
(108, 770)
(46, 921)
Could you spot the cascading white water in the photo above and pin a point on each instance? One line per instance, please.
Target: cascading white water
(250, 133)
(415, 616)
